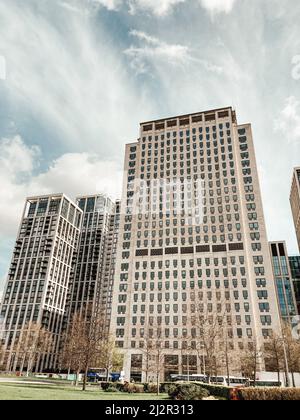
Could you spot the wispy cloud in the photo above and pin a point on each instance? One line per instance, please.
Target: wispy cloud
(154, 51)
(157, 7)
(218, 6)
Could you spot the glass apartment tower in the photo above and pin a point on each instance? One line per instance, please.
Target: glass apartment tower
(37, 287)
(295, 272)
(94, 263)
(283, 281)
(192, 239)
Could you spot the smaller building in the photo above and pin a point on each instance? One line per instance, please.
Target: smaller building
(295, 272)
(295, 202)
(37, 285)
(283, 281)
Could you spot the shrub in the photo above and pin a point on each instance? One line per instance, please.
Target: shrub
(120, 386)
(188, 392)
(217, 391)
(134, 388)
(111, 389)
(150, 388)
(269, 394)
(126, 387)
(167, 387)
(105, 385)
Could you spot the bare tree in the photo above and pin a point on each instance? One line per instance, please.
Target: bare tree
(34, 343)
(275, 355)
(292, 351)
(209, 335)
(228, 356)
(154, 353)
(189, 355)
(87, 344)
(110, 358)
(251, 360)
(2, 355)
(147, 350)
(71, 356)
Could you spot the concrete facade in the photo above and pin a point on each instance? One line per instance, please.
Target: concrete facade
(192, 238)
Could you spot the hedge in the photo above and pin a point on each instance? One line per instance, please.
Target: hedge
(217, 391)
(150, 388)
(188, 392)
(269, 394)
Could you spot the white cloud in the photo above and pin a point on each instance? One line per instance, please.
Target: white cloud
(218, 6)
(88, 6)
(155, 52)
(157, 7)
(109, 4)
(164, 7)
(288, 121)
(73, 174)
(15, 157)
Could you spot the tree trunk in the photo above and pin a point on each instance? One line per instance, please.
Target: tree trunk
(255, 371)
(228, 370)
(22, 366)
(293, 379)
(77, 377)
(85, 379)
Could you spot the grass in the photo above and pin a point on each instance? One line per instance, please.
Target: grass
(10, 392)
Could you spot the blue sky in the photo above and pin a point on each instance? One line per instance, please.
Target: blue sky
(77, 77)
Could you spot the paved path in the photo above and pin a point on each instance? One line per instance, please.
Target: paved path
(26, 382)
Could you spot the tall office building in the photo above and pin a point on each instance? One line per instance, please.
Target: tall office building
(283, 281)
(295, 273)
(192, 239)
(295, 202)
(38, 281)
(93, 274)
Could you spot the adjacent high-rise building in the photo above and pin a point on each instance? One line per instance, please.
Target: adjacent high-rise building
(38, 281)
(283, 281)
(63, 263)
(192, 244)
(295, 202)
(94, 264)
(295, 273)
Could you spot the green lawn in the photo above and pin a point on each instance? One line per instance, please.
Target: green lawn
(44, 392)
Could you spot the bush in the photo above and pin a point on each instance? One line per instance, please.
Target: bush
(188, 392)
(133, 388)
(150, 388)
(119, 386)
(111, 389)
(269, 394)
(105, 385)
(218, 391)
(167, 387)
